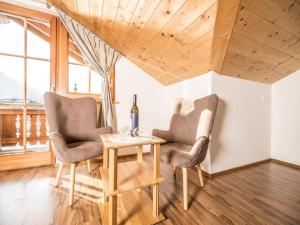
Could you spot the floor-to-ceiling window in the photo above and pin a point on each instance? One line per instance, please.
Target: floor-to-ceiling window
(36, 55)
(26, 73)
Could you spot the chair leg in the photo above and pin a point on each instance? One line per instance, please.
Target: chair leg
(200, 175)
(174, 171)
(58, 175)
(72, 181)
(185, 196)
(89, 165)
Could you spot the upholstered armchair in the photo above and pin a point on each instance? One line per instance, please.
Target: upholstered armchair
(73, 132)
(188, 136)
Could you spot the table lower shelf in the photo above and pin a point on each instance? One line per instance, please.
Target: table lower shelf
(134, 208)
(131, 175)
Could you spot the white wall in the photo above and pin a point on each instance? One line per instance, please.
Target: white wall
(241, 133)
(285, 129)
(155, 101)
(131, 80)
(193, 88)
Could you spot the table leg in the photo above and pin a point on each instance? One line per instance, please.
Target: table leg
(156, 175)
(139, 150)
(105, 166)
(112, 185)
(105, 158)
(184, 186)
(139, 153)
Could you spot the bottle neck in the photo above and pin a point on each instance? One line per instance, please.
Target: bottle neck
(134, 100)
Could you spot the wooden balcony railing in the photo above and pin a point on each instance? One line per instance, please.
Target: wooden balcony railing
(12, 129)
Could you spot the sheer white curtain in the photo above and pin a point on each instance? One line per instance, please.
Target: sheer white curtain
(100, 56)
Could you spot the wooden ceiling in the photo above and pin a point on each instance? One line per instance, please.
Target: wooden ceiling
(265, 42)
(173, 40)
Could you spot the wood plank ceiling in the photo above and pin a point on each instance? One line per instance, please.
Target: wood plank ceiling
(173, 40)
(265, 42)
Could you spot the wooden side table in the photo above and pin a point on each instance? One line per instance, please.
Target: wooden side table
(123, 182)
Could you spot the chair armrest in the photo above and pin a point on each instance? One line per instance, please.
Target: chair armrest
(59, 145)
(198, 151)
(94, 135)
(163, 134)
(104, 130)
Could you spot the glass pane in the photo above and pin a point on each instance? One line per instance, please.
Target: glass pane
(37, 84)
(38, 39)
(11, 104)
(78, 78)
(11, 79)
(38, 80)
(96, 83)
(12, 35)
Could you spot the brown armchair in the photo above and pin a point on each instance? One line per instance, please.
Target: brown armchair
(73, 132)
(188, 137)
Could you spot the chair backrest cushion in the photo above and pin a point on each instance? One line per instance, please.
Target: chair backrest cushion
(72, 118)
(193, 119)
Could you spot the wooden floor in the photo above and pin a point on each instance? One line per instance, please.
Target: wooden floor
(265, 194)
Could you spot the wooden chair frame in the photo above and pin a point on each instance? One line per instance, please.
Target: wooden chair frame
(185, 183)
(72, 178)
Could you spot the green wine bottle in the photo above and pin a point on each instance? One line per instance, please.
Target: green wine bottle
(134, 116)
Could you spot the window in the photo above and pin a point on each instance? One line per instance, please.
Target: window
(81, 78)
(24, 78)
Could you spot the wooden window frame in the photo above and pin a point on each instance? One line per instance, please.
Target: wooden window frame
(63, 69)
(63, 66)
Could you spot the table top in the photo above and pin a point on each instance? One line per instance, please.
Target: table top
(122, 141)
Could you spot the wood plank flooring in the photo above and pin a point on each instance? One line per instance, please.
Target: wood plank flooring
(265, 194)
